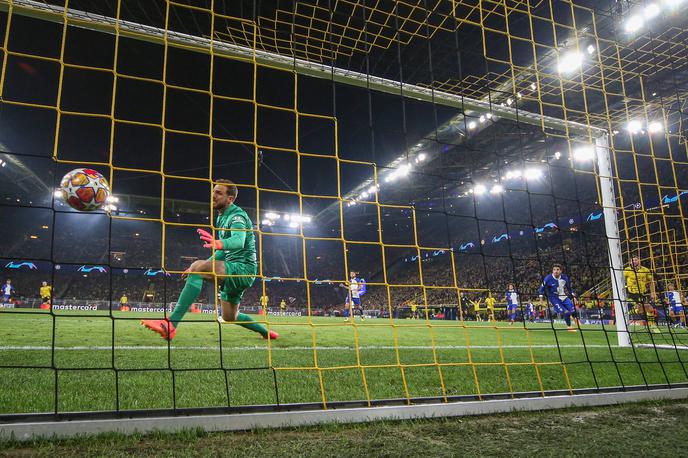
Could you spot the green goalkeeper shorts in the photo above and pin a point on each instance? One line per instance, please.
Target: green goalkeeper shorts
(232, 289)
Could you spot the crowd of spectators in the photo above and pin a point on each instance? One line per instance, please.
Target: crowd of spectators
(132, 258)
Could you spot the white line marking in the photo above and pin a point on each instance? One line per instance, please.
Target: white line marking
(663, 346)
(274, 348)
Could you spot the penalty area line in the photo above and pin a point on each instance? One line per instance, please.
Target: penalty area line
(295, 348)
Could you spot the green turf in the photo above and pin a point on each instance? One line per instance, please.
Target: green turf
(396, 361)
(603, 431)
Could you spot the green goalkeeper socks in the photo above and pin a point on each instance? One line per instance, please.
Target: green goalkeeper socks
(259, 328)
(194, 284)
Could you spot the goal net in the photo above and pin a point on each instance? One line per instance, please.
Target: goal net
(412, 172)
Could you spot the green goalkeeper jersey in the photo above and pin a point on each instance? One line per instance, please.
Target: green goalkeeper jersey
(238, 241)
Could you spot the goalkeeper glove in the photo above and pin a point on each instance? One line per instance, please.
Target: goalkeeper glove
(210, 241)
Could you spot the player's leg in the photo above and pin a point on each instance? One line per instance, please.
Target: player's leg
(196, 273)
(350, 307)
(231, 293)
(650, 316)
(682, 317)
(569, 311)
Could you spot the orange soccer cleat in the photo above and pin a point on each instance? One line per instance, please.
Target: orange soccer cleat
(163, 327)
(273, 336)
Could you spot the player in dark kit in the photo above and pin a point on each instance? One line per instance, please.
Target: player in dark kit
(235, 255)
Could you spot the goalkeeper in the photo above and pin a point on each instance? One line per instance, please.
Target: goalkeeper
(235, 255)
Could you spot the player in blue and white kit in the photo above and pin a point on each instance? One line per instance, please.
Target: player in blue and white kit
(7, 291)
(357, 288)
(511, 302)
(557, 287)
(530, 312)
(675, 306)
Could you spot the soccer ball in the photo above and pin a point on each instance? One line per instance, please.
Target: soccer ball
(85, 189)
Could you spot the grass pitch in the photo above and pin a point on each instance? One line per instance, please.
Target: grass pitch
(602, 431)
(93, 362)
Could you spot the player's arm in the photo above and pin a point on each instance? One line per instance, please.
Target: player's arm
(651, 281)
(235, 241)
(542, 290)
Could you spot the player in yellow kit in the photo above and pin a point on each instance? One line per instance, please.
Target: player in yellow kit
(638, 281)
(264, 299)
(46, 292)
(490, 302)
(476, 309)
(414, 311)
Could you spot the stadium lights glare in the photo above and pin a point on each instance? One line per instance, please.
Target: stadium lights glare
(532, 174)
(404, 170)
(488, 116)
(651, 11)
(112, 199)
(422, 157)
(296, 219)
(363, 195)
(496, 189)
(533, 86)
(479, 189)
(557, 155)
(655, 127)
(583, 154)
(509, 101)
(634, 23)
(513, 174)
(471, 125)
(634, 126)
(590, 49)
(286, 217)
(267, 222)
(482, 119)
(570, 62)
(57, 193)
(293, 224)
(372, 189)
(272, 215)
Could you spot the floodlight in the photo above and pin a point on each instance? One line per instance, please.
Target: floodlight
(479, 189)
(570, 62)
(532, 174)
(655, 127)
(634, 126)
(651, 11)
(634, 23)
